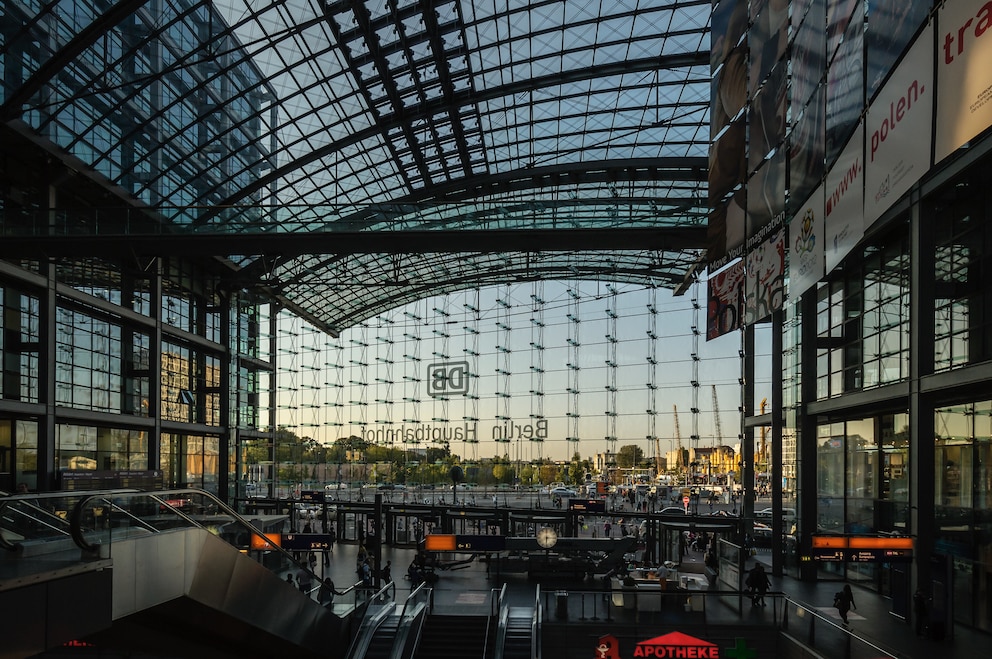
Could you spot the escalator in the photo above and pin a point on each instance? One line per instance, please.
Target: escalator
(152, 572)
(456, 637)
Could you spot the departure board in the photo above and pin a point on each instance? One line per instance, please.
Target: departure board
(83, 479)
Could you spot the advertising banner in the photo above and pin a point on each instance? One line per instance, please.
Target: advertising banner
(767, 118)
(766, 199)
(724, 308)
(806, 149)
(844, 204)
(806, 240)
(768, 39)
(964, 74)
(764, 283)
(809, 56)
(899, 129)
(845, 90)
(727, 162)
(727, 26)
(725, 231)
(891, 26)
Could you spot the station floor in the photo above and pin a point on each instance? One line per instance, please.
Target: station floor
(469, 590)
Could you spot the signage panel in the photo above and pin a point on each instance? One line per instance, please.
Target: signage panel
(964, 90)
(898, 130)
(306, 541)
(845, 194)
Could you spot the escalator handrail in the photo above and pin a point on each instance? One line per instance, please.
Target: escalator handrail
(76, 529)
(402, 640)
(29, 500)
(368, 627)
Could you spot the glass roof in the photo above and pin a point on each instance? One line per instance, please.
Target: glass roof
(294, 116)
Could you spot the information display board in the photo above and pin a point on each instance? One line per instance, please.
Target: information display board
(862, 549)
(74, 480)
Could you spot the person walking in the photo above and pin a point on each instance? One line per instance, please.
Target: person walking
(844, 602)
(757, 581)
(327, 592)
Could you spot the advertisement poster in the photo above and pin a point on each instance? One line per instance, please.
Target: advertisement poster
(767, 118)
(768, 37)
(806, 149)
(766, 199)
(806, 265)
(726, 29)
(844, 203)
(727, 162)
(725, 300)
(764, 282)
(898, 129)
(891, 26)
(725, 231)
(839, 13)
(964, 95)
(728, 91)
(845, 90)
(809, 55)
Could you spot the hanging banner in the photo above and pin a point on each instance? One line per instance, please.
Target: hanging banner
(899, 128)
(806, 241)
(844, 203)
(725, 301)
(964, 94)
(764, 282)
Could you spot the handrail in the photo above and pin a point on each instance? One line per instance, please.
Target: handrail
(535, 632)
(845, 630)
(38, 513)
(420, 598)
(159, 497)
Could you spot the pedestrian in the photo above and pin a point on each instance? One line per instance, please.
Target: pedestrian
(327, 592)
(758, 583)
(304, 581)
(607, 530)
(385, 574)
(920, 611)
(844, 602)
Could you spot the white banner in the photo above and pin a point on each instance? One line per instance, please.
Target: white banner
(806, 241)
(844, 204)
(898, 129)
(964, 54)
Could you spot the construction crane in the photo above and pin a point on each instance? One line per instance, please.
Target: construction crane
(657, 457)
(678, 441)
(716, 419)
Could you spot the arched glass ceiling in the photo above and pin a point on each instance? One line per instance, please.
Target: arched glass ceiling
(297, 116)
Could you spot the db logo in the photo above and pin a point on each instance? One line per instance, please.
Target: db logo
(447, 379)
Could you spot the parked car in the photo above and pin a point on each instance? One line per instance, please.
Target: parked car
(563, 492)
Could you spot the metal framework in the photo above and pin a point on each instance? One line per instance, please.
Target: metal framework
(327, 152)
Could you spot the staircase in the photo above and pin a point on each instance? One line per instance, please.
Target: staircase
(455, 637)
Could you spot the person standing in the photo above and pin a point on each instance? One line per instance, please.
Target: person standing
(304, 581)
(844, 602)
(920, 611)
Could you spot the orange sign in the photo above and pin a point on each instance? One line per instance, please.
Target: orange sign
(271, 541)
(439, 542)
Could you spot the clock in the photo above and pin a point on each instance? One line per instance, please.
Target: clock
(547, 537)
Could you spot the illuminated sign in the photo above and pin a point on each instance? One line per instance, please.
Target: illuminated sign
(862, 549)
(450, 542)
(677, 645)
(439, 542)
(269, 542)
(306, 541)
(587, 505)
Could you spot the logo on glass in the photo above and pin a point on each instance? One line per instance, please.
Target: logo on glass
(447, 379)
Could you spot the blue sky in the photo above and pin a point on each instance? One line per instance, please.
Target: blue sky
(374, 376)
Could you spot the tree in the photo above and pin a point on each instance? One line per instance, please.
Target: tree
(629, 456)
